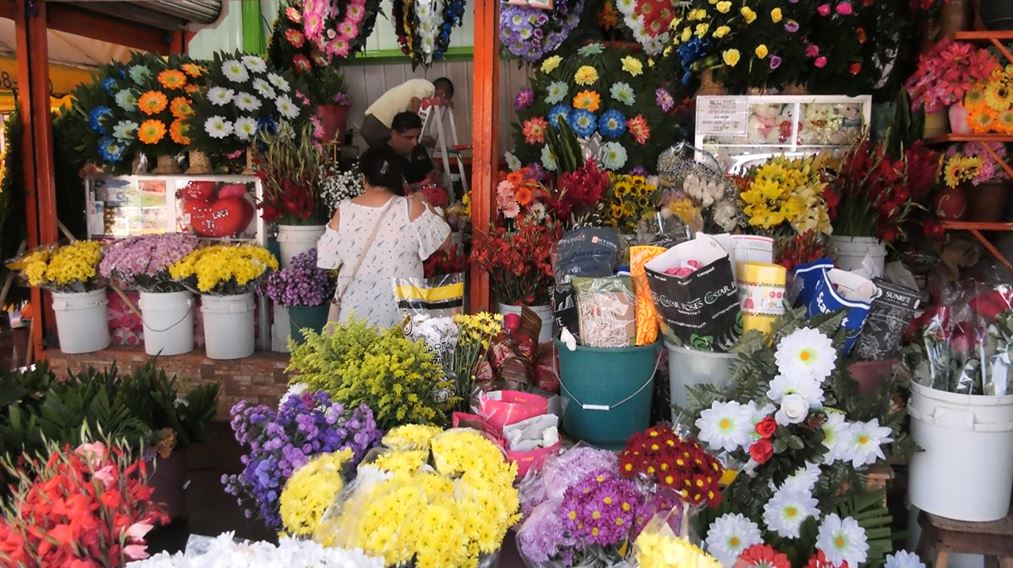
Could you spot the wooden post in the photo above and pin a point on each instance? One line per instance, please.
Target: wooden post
(33, 102)
(484, 133)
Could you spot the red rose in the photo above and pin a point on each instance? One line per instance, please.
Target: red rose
(761, 451)
(766, 427)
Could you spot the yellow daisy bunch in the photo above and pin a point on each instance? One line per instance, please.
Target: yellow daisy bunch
(224, 269)
(787, 191)
(311, 490)
(32, 266)
(658, 550)
(478, 328)
(401, 462)
(70, 268)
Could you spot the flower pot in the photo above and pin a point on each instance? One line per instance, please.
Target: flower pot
(935, 124)
(169, 483)
(691, 367)
(294, 240)
(333, 122)
(81, 321)
(958, 119)
(166, 166)
(850, 252)
(303, 317)
(996, 14)
(200, 164)
(543, 312)
(280, 329)
(986, 202)
(950, 204)
(228, 325)
(168, 322)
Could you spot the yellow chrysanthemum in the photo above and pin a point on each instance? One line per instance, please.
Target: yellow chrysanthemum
(724, 6)
(152, 102)
(761, 51)
(721, 32)
(224, 269)
(776, 15)
(177, 132)
(731, 57)
(550, 63)
(748, 14)
(587, 100)
(655, 549)
(310, 492)
(701, 30)
(180, 107)
(172, 79)
(585, 75)
(64, 268)
(632, 65)
(151, 131)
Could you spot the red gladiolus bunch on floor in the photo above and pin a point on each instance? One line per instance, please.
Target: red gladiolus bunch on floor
(518, 260)
(80, 508)
(673, 462)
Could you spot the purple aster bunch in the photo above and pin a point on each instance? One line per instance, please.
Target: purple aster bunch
(563, 472)
(282, 440)
(531, 33)
(602, 508)
(143, 262)
(301, 284)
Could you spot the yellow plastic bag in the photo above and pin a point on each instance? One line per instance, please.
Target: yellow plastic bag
(647, 315)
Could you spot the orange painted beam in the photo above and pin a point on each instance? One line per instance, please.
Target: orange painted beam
(484, 133)
(65, 17)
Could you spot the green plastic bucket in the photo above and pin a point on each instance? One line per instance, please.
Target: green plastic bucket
(606, 392)
(301, 317)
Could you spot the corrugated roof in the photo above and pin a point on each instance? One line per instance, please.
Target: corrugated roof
(164, 14)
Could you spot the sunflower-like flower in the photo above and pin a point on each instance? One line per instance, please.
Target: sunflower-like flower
(151, 131)
(172, 79)
(152, 102)
(177, 131)
(180, 107)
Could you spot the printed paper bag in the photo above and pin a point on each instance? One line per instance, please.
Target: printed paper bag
(823, 289)
(892, 310)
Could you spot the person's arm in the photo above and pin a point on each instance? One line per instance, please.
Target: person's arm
(415, 105)
(420, 206)
(335, 220)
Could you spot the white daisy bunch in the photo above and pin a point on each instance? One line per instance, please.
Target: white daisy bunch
(337, 185)
(860, 443)
(842, 540)
(729, 535)
(729, 425)
(791, 505)
(225, 552)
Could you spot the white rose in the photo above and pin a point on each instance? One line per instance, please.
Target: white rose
(794, 409)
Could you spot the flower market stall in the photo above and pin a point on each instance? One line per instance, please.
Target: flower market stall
(713, 303)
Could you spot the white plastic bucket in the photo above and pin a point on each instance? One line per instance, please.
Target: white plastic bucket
(965, 471)
(294, 240)
(82, 322)
(851, 251)
(688, 367)
(544, 312)
(228, 325)
(280, 329)
(168, 322)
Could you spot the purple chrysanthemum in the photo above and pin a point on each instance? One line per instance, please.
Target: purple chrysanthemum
(301, 284)
(524, 98)
(664, 99)
(602, 509)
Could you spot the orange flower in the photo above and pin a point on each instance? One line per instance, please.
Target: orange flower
(151, 131)
(152, 102)
(192, 69)
(982, 121)
(523, 196)
(172, 79)
(1006, 122)
(191, 89)
(180, 107)
(177, 131)
(587, 100)
(515, 178)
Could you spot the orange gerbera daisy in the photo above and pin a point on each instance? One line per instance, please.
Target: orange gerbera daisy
(172, 79)
(523, 196)
(151, 131)
(192, 69)
(152, 102)
(515, 178)
(587, 100)
(177, 131)
(180, 107)
(1006, 122)
(982, 121)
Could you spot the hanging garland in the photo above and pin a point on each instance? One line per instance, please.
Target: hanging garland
(423, 27)
(339, 28)
(649, 21)
(531, 33)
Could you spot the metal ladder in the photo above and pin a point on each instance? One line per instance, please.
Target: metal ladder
(434, 115)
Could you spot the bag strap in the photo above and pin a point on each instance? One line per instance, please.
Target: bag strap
(365, 250)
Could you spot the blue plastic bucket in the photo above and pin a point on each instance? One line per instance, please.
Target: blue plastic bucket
(606, 392)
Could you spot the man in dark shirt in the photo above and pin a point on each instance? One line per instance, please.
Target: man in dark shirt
(404, 140)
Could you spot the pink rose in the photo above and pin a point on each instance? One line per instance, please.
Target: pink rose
(844, 9)
(824, 9)
(820, 62)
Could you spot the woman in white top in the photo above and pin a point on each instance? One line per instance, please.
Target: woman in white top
(376, 237)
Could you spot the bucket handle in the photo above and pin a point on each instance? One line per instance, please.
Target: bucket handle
(957, 418)
(606, 407)
(190, 305)
(236, 308)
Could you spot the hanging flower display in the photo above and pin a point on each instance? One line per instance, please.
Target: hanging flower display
(339, 28)
(531, 33)
(649, 21)
(423, 27)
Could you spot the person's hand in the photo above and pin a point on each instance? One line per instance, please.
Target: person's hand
(415, 105)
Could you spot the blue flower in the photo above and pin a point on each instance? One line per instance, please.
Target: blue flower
(583, 123)
(110, 150)
(96, 116)
(612, 124)
(558, 112)
(689, 53)
(109, 85)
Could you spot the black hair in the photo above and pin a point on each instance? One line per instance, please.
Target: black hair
(405, 121)
(445, 84)
(380, 168)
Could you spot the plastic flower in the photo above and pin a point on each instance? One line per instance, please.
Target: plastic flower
(835, 431)
(220, 96)
(235, 71)
(287, 107)
(623, 93)
(590, 49)
(731, 57)
(559, 112)
(151, 131)
(587, 100)
(245, 128)
(152, 102)
(761, 51)
(725, 426)
(254, 63)
(525, 97)
(806, 351)
(729, 535)
(110, 149)
(612, 124)
(556, 92)
(721, 32)
(548, 159)
(534, 130)
(139, 73)
(763, 556)
(550, 63)
(586, 75)
(513, 162)
(278, 82)
(172, 79)
(842, 540)
(862, 441)
(787, 510)
(246, 102)
(748, 14)
(177, 132)
(125, 130)
(125, 99)
(217, 127)
(632, 65)
(904, 559)
(724, 6)
(613, 156)
(664, 99)
(583, 123)
(805, 386)
(776, 15)
(192, 69)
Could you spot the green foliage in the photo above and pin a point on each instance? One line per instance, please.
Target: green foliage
(359, 364)
(564, 145)
(152, 396)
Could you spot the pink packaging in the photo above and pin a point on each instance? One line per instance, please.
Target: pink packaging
(500, 408)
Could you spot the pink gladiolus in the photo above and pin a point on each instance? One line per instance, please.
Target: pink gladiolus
(137, 531)
(93, 452)
(105, 475)
(823, 9)
(820, 62)
(136, 551)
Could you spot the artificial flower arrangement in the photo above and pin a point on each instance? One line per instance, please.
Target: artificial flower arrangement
(339, 28)
(423, 28)
(289, 165)
(989, 104)
(630, 199)
(357, 364)
(784, 197)
(578, 194)
(979, 162)
(223, 270)
(243, 97)
(610, 101)
(959, 168)
(703, 202)
(143, 262)
(650, 23)
(531, 33)
(794, 427)
(69, 268)
(290, 50)
(436, 499)
(279, 442)
(226, 550)
(106, 508)
(946, 73)
(301, 283)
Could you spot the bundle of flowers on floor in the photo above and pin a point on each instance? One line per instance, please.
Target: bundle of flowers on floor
(224, 551)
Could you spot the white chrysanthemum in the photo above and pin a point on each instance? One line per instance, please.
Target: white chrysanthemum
(125, 130)
(787, 510)
(794, 409)
(246, 102)
(807, 352)
(286, 107)
(513, 162)
(805, 386)
(139, 73)
(254, 63)
(842, 540)
(246, 128)
(220, 96)
(218, 127)
(235, 71)
(862, 442)
(549, 159)
(725, 426)
(729, 535)
(904, 559)
(263, 88)
(834, 430)
(278, 81)
(803, 480)
(126, 99)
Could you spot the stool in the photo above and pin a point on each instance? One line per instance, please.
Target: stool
(941, 536)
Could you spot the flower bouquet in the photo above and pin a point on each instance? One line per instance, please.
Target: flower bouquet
(947, 73)
(445, 261)
(143, 263)
(785, 196)
(630, 199)
(281, 441)
(579, 193)
(531, 33)
(223, 270)
(301, 284)
(225, 550)
(105, 514)
(989, 104)
(437, 499)
(423, 28)
(339, 28)
(71, 268)
(336, 185)
(289, 166)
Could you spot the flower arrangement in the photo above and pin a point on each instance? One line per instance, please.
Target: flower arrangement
(446, 261)
(629, 200)
(531, 33)
(785, 195)
(335, 185)
(989, 103)
(105, 514)
(444, 501)
(579, 193)
(358, 364)
(223, 270)
(960, 168)
(244, 97)
(143, 262)
(68, 268)
(518, 259)
(946, 73)
(650, 22)
(520, 194)
(289, 49)
(226, 550)
(289, 166)
(702, 202)
(301, 283)
(423, 28)
(281, 441)
(339, 28)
